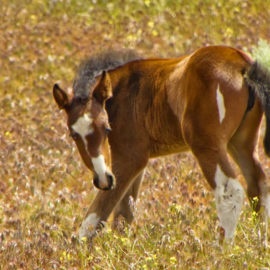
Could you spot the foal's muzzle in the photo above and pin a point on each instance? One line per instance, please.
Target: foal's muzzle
(108, 185)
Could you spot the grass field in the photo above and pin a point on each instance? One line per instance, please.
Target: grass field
(45, 188)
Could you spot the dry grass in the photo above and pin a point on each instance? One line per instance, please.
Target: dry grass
(44, 187)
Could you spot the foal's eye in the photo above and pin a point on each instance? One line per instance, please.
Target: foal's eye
(75, 136)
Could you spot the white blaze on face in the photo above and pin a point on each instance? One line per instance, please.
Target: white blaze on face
(83, 126)
(89, 225)
(220, 105)
(229, 196)
(101, 170)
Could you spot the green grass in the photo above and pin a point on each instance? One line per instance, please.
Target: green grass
(44, 187)
(262, 53)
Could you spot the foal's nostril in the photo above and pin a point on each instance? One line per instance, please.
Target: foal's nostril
(96, 181)
(110, 181)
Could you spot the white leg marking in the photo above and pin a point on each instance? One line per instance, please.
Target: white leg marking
(265, 189)
(89, 225)
(101, 169)
(83, 126)
(229, 195)
(220, 105)
(265, 202)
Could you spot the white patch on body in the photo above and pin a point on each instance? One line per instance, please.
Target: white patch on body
(89, 225)
(100, 169)
(220, 105)
(229, 195)
(83, 126)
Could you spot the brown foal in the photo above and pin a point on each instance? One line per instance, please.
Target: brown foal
(126, 110)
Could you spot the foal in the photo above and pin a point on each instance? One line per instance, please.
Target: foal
(125, 110)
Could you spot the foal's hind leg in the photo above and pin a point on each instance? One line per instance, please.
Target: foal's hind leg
(213, 112)
(242, 151)
(242, 148)
(208, 142)
(125, 207)
(228, 192)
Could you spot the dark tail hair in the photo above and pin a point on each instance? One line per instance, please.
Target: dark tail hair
(258, 80)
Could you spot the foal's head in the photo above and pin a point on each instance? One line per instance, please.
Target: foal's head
(88, 124)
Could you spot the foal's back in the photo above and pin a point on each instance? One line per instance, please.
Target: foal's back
(157, 95)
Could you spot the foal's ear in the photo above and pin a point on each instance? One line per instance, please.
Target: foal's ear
(103, 90)
(60, 97)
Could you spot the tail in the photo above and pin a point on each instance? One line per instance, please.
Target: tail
(258, 81)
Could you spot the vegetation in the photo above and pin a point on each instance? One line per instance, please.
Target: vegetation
(44, 187)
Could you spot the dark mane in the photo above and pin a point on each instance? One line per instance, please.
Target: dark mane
(90, 68)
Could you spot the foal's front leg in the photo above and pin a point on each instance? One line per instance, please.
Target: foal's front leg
(105, 201)
(125, 207)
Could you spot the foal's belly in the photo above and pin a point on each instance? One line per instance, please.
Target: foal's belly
(162, 149)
